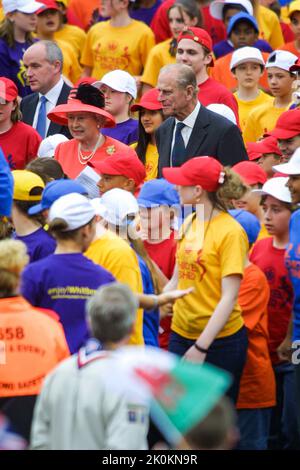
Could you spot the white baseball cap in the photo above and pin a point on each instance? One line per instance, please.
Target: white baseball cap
(48, 145)
(246, 54)
(216, 7)
(24, 6)
(74, 208)
(223, 110)
(281, 59)
(292, 167)
(118, 80)
(275, 187)
(115, 205)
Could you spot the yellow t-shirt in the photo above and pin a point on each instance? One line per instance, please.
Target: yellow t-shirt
(115, 255)
(262, 120)
(151, 161)
(157, 58)
(1, 14)
(74, 36)
(108, 48)
(245, 107)
(269, 27)
(263, 233)
(202, 264)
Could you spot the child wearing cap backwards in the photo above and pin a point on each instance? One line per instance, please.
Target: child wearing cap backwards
(195, 50)
(150, 118)
(66, 279)
(247, 65)
(158, 205)
(19, 141)
(263, 119)
(211, 254)
(15, 37)
(28, 188)
(294, 16)
(257, 387)
(119, 43)
(268, 254)
(119, 90)
(266, 153)
(287, 133)
(182, 13)
(242, 31)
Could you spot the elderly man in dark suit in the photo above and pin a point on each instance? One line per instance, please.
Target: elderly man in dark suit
(192, 130)
(43, 62)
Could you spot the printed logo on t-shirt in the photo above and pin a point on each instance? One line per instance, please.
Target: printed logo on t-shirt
(111, 58)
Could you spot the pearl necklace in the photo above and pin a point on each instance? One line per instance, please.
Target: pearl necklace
(83, 159)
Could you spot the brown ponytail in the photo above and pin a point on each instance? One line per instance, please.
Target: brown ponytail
(232, 188)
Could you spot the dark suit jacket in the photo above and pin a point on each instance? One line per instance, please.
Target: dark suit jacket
(212, 135)
(28, 107)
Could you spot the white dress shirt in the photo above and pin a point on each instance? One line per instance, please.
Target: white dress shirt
(52, 97)
(186, 132)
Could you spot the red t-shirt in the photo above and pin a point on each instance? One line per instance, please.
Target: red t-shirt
(20, 145)
(163, 254)
(212, 91)
(161, 29)
(271, 262)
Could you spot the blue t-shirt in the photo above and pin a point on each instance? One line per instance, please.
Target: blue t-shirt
(151, 317)
(39, 244)
(126, 132)
(224, 47)
(292, 261)
(12, 65)
(63, 283)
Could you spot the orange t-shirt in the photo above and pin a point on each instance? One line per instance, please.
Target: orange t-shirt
(257, 386)
(84, 9)
(66, 154)
(221, 72)
(290, 46)
(32, 343)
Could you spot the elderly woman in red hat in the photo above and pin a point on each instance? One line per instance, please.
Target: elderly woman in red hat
(208, 325)
(18, 141)
(85, 116)
(150, 118)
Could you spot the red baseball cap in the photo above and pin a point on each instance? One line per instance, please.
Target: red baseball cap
(200, 36)
(47, 5)
(266, 145)
(250, 172)
(203, 171)
(287, 125)
(253, 154)
(122, 165)
(8, 89)
(88, 80)
(148, 101)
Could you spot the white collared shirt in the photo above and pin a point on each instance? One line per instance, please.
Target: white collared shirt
(52, 97)
(186, 132)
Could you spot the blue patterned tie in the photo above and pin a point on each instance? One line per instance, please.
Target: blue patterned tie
(41, 122)
(178, 153)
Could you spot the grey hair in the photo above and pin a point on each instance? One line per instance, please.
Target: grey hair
(183, 74)
(53, 52)
(111, 312)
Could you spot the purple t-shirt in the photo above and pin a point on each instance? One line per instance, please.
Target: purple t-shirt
(145, 14)
(63, 283)
(12, 66)
(39, 244)
(126, 132)
(224, 47)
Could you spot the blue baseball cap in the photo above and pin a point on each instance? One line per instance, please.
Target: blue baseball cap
(242, 16)
(55, 190)
(158, 192)
(248, 221)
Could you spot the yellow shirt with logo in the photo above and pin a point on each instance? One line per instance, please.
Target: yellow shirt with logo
(269, 27)
(115, 255)
(108, 48)
(74, 36)
(202, 263)
(262, 120)
(151, 161)
(158, 57)
(245, 107)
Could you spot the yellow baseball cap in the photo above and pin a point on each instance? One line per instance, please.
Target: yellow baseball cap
(27, 186)
(293, 6)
